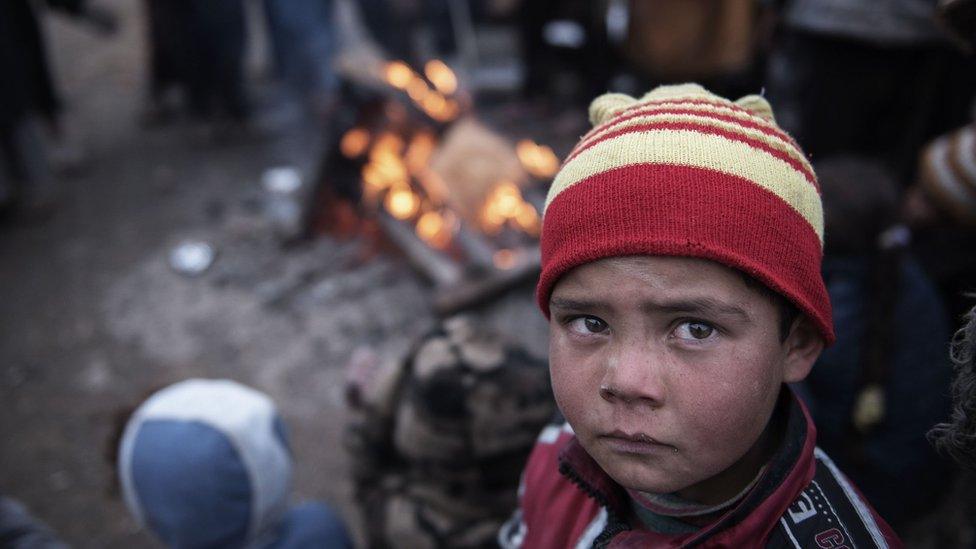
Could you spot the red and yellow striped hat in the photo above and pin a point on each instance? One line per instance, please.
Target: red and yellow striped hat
(684, 172)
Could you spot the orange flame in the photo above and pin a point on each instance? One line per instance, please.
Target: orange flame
(387, 142)
(433, 103)
(538, 160)
(418, 90)
(443, 110)
(505, 204)
(399, 74)
(419, 152)
(402, 203)
(435, 229)
(528, 219)
(354, 142)
(385, 167)
(441, 76)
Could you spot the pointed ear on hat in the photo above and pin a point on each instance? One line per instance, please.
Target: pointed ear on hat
(758, 106)
(606, 106)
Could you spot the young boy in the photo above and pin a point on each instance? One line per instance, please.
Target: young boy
(681, 251)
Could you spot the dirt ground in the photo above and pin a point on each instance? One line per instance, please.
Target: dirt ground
(92, 316)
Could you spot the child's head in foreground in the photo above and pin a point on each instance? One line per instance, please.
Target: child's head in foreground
(206, 463)
(681, 251)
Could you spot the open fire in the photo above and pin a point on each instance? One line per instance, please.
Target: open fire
(475, 223)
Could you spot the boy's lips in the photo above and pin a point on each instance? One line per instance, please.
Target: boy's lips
(635, 443)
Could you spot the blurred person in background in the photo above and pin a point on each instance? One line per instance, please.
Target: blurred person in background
(21, 530)
(565, 50)
(715, 42)
(197, 51)
(169, 49)
(867, 77)
(207, 463)
(958, 17)
(438, 439)
(303, 43)
(876, 392)
(34, 140)
(410, 30)
(941, 208)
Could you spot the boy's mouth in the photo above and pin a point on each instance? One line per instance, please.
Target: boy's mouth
(635, 443)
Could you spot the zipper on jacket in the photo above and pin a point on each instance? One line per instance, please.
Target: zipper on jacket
(615, 523)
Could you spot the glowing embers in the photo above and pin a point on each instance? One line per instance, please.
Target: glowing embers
(538, 160)
(505, 204)
(441, 76)
(399, 74)
(354, 142)
(455, 196)
(437, 101)
(402, 203)
(437, 228)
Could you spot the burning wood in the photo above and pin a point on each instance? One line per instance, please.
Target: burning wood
(432, 101)
(441, 76)
(538, 160)
(505, 205)
(456, 198)
(524, 266)
(438, 269)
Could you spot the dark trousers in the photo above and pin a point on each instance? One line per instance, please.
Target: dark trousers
(199, 47)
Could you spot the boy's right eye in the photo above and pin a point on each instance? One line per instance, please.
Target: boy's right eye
(588, 325)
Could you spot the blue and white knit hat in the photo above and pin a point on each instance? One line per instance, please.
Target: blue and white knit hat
(205, 463)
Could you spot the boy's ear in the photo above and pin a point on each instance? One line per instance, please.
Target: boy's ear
(802, 347)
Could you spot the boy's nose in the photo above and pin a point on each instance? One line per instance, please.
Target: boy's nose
(631, 377)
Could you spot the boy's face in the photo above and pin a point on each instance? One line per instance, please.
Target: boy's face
(668, 370)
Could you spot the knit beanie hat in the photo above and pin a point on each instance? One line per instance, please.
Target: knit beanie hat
(684, 172)
(948, 174)
(206, 463)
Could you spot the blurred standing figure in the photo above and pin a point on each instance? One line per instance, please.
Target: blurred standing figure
(941, 207)
(169, 51)
(30, 109)
(881, 386)
(867, 77)
(197, 48)
(580, 49)
(713, 42)
(303, 42)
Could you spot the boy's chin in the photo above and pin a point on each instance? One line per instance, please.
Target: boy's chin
(643, 478)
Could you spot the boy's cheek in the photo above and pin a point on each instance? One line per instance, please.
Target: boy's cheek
(575, 383)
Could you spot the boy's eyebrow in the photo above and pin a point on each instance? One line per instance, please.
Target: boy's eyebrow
(698, 305)
(572, 304)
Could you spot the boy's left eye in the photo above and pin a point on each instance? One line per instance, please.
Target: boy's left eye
(694, 330)
(588, 325)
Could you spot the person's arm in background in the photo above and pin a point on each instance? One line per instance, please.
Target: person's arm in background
(20, 530)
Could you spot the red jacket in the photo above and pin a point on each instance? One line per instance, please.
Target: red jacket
(802, 500)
